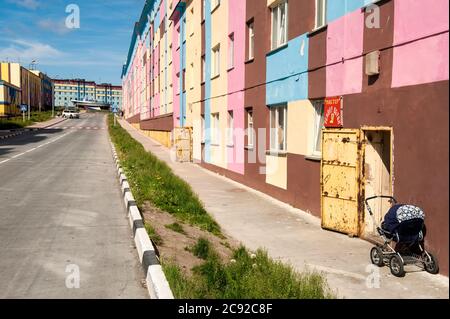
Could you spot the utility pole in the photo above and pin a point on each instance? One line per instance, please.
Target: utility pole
(29, 96)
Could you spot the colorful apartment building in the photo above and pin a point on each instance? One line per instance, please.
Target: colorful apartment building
(19, 85)
(318, 103)
(66, 91)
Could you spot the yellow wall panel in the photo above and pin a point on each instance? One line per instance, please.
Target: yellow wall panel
(301, 115)
(276, 171)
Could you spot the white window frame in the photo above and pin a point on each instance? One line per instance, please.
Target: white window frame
(277, 23)
(251, 40)
(203, 128)
(191, 77)
(215, 65)
(321, 15)
(204, 10)
(214, 4)
(230, 129)
(203, 68)
(215, 128)
(319, 107)
(250, 129)
(274, 132)
(231, 51)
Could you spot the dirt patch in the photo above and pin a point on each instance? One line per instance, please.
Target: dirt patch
(175, 245)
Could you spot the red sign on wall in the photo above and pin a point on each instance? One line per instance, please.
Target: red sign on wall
(333, 112)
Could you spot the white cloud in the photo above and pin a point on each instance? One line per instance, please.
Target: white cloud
(56, 26)
(26, 51)
(29, 4)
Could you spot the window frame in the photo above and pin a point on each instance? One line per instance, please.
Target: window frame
(230, 129)
(250, 129)
(318, 126)
(324, 14)
(214, 5)
(203, 59)
(231, 49)
(251, 40)
(276, 148)
(215, 66)
(276, 10)
(215, 128)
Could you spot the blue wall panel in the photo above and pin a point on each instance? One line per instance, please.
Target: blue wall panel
(287, 72)
(339, 8)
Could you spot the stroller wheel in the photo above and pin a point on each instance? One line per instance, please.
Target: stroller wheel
(396, 265)
(376, 256)
(431, 264)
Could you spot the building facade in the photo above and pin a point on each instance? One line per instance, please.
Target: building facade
(22, 86)
(66, 91)
(318, 103)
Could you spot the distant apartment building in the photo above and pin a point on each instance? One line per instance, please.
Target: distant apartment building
(318, 103)
(66, 91)
(18, 85)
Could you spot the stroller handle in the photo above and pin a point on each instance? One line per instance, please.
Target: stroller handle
(374, 197)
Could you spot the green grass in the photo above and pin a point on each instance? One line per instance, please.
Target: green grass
(202, 249)
(153, 235)
(176, 227)
(152, 180)
(246, 276)
(17, 122)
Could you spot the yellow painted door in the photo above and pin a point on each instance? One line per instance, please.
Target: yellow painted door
(340, 180)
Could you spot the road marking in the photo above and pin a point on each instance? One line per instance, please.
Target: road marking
(33, 149)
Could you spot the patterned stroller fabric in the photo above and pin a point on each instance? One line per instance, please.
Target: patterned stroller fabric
(408, 212)
(405, 223)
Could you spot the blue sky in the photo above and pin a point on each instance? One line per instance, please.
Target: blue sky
(36, 30)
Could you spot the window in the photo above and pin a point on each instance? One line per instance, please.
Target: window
(230, 128)
(203, 69)
(318, 126)
(215, 128)
(321, 13)
(279, 24)
(203, 129)
(278, 131)
(191, 24)
(191, 78)
(250, 129)
(203, 10)
(231, 51)
(184, 80)
(251, 40)
(214, 4)
(216, 61)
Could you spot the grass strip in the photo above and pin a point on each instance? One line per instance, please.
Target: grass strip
(246, 276)
(152, 180)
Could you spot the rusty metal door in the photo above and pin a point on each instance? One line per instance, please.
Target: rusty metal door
(340, 170)
(183, 144)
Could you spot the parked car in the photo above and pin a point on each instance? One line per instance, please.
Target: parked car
(71, 114)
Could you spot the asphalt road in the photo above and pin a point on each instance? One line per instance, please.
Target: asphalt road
(63, 229)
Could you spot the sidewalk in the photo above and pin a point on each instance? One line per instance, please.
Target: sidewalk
(293, 236)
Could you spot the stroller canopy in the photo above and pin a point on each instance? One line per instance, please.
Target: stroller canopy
(404, 220)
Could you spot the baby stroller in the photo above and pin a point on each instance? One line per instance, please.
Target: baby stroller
(405, 226)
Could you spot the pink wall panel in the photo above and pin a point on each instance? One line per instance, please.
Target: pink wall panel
(345, 41)
(175, 70)
(236, 82)
(424, 61)
(416, 19)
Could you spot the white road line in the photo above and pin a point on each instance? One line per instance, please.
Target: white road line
(33, 149)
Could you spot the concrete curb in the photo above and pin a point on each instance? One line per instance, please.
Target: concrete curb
(28, 130)
(157, 284)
